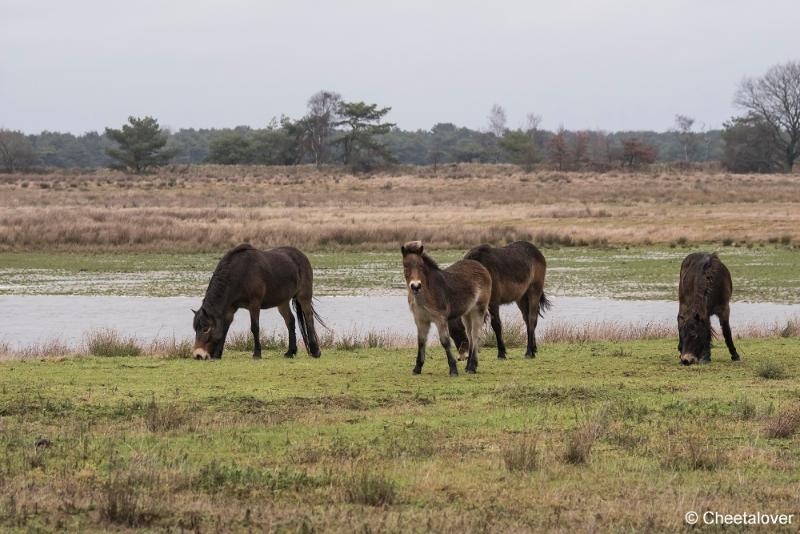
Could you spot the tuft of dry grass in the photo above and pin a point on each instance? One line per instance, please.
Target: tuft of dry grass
(694, 453)
(366, 486)
(170, 348)
(771, 370)
(163, 417)
(522, 454)
(110, 343)
(783, 425)
(580, 441)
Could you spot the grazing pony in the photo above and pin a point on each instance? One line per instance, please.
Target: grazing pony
(460, 292)
(517, 271)
(253, 279)
(704, 290)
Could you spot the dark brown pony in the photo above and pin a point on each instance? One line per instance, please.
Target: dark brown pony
(704, 290)
(517, 271)
(253, 279)
(461, 292)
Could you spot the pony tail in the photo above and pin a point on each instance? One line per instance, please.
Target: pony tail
(301, 320)
(309, 338)
(544, 304)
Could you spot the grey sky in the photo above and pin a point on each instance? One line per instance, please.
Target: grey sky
(618, 64)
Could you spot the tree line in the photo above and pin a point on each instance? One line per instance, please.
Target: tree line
(764, 138)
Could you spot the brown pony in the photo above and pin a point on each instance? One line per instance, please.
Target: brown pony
(253, 279)
(462, 291)
(704, 290)
(517, 271)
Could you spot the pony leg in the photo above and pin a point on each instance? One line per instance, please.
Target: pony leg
(444, 339)
(681, 321)
(497, 326)
(458, 333)
(529, 316)
(217, 355)
(476, 321)
(726, 332)
(286, 312)
(422, 338)
(255, 311)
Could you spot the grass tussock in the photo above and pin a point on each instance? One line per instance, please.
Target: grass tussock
(743, 408)
(369, 487)
(165, 416)
(771, 370)
(522, 454)
(123, 502)
(784, 425)
(582, 438)
(109, 343)
(693, 453)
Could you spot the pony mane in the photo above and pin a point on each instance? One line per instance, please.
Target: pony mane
(710, 268)
(415, 247)
(219, 282)
(430, 262)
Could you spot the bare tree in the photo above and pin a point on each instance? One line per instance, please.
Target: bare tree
(558, 152)
(497, 120)
(683, 127)
(16, 151)
(775, 99)
(532, 122)
(323, 109)
(581, 149)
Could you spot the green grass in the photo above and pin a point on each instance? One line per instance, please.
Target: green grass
(763, 273)
(618, 436)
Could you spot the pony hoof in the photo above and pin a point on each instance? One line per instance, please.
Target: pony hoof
(416, 371)
(256, 356)
(502, 356)
(736, 357)
(316, 354)
(470, 371)
(530, 356)
(453, 373)
(705, 361)
(289, 354)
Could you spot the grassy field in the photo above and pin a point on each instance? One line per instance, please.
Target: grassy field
(591, 437)
(760, 273)
(208, 208)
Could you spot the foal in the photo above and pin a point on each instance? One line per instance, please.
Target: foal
(462, 291)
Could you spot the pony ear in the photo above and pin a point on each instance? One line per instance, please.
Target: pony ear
(697, 317)
(403, 250)
(194, 312)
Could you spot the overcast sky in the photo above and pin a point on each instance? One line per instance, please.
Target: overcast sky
(618, 64)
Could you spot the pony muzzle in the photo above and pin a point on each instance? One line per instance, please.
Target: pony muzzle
(415, 285)
(688, 359)
(200, 353)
